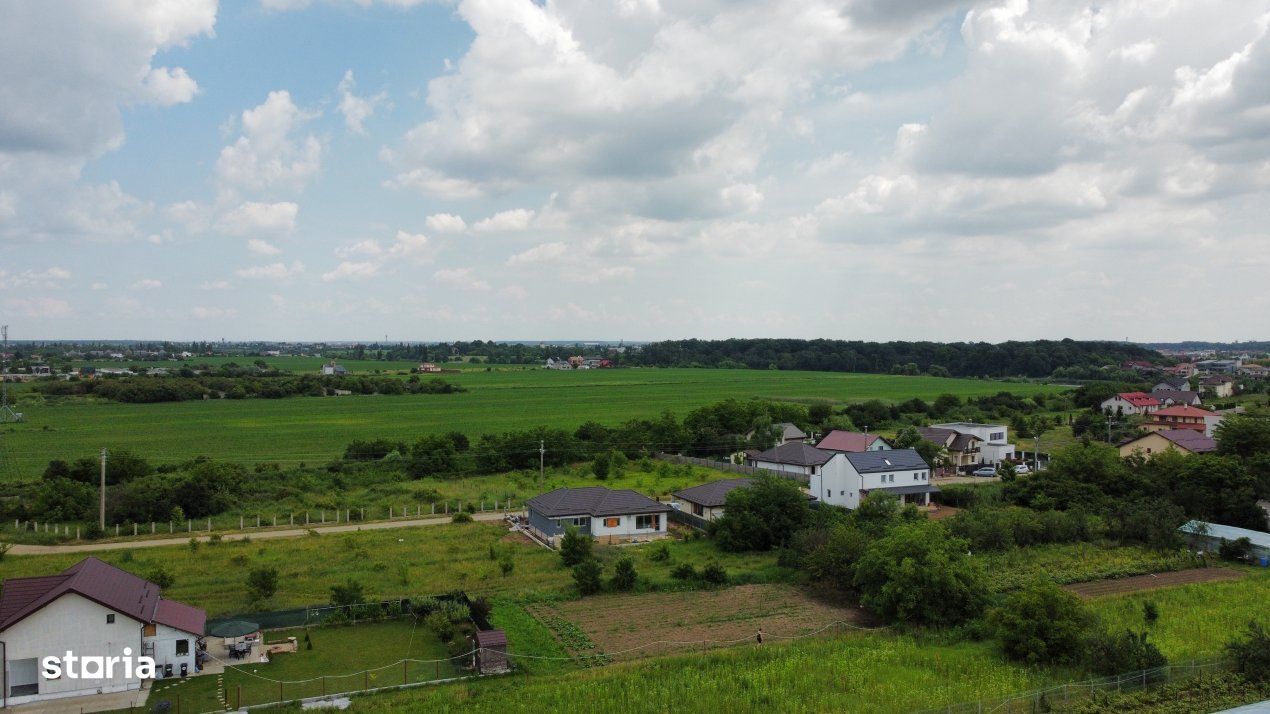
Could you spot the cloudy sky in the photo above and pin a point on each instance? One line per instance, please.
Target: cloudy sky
(638, 169)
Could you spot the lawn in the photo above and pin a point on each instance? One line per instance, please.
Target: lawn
(862, 672)
(1077, 562)
(316, 429)
(342, 659)
(1196, 621)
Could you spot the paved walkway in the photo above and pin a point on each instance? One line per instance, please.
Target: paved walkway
(91, 703)
(20, 549)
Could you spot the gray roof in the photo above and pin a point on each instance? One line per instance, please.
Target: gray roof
(867, 462)
(594, 501)
(906, 490)
(795, 453)
(715, 493)
(1217, 530)
(1178, 396)
(790, 431)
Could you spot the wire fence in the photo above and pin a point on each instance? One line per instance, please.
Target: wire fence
(1060, 697)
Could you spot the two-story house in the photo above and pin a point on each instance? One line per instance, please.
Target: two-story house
(996, 446)
(849, 477)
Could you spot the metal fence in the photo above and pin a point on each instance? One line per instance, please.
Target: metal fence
(689, 519)
(1060, 697)
(367, 611)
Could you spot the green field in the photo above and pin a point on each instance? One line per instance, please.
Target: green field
(315, 429)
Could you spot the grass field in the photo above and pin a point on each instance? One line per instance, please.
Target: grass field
(335, 664)
(315, 429)
(865, 672)
(1066, 563)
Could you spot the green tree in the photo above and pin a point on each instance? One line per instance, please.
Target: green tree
(906, 438)
(587, 576)
(920, 573)
(624, 574)
(1251, 653)
(1042, 624)
(761, 516)
(575, 547)
(1127, 651)
(262, 583)
(1243, 436)
(879, 511)
(352, 592)
(162, 577)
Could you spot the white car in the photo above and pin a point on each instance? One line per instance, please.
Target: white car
(1022, 469)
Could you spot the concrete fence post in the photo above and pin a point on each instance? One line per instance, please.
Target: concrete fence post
(240, 522)
(390, 512)
(134, 529)
(209, 525)
(306, 518)
(46, 527)
(76, 532)
(324, 515)
(257, 520)
(151, 527)
(189, 526)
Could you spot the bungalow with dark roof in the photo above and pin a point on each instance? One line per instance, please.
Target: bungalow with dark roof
(1182, 441)
(794, 459)
(608, 516)
(1176, 397)
(839, 440)
(91, 609)
(707, 500)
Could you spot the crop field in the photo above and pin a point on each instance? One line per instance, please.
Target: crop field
(629, 625)
(1152, 581)
(855, 672)
(315, 429)
(1197, 620)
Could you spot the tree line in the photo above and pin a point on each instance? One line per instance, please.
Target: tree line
(153, 389)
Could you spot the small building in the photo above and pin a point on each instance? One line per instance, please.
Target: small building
(1182, 441)
(428, 367)
(1203, 536)
(1183, 417)
(840, 440)
(332, 369)
(1173, 383)
(609, 516)
(491, 652)
(996, 446)
(707, 500)
(1217, 387)
(92, 609)
(1175, 397)
(785, 433)
(964, 450)
(1130, 403)
(794, 458)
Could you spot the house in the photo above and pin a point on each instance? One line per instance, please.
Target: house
(331, 369)
(1178, 384)
(785, 433)
(1185, 370)
(607, 515)
(1219, 366)
(1179, 417)
(1173, 397)
(964, 450)
(92, 610)
(1216, 386)
(995, 447)
(1140, 366)
(428, 367)
(1255, 371)
(1209, 537)
(851, 476)
(1130, 403)
(706, 501)
(1182, 441)
(794, 458)
(839, 440)
(553, 363)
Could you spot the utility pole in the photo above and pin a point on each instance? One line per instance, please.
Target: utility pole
(101, 506)
(6, 411)
(542, 459)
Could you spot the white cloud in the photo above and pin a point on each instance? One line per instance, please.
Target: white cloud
(261, 247)
(39, 307)
(51, 277)
(543, 253)
(204, 312)
(505, 221)
(461, 278)
(147, 284)
(214, 285)
(445, 223)
(166, 86)
(267, 155)
(357, 110)
(352, 269)
(252, 217)
(272, 271)
(99, 286)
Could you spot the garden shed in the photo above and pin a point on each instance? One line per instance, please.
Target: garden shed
(1209, 536)
(491, 652)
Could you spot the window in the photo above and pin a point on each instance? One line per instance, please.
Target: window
(110, 619)
(612, 522)
(648, 522)
(182, 647)
(842, 493)
(580, 522)
(24, 677)
(997, 436)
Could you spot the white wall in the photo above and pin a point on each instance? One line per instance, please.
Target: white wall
(626, 526)
(164, 641)
(787, 468)
(76, 624)
(841, 484)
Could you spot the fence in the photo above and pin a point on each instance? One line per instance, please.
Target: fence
(317, 614)
(689, 519)
(1058, 698)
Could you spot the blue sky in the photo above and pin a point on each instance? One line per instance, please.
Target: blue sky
(505, 169)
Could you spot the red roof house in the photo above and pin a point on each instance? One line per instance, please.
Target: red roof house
(1179, 417)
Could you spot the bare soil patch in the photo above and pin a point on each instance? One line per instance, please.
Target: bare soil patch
(1155, 581)
(664, 623)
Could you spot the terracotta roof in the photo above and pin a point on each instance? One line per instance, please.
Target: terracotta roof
(1139, 399)
(100, 582)
(715, 493)
(839, 440)
(1185, 410)
(795, 453)
(594, 501)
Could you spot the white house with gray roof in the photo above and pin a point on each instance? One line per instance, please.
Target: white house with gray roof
(996, 446)
(850, 477)
(609, 516)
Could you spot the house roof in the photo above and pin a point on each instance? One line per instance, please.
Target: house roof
(893, 460)
(1139, 399)
(1185, 410)
(180, 616)
(1215, 379)
(491, 638)
(594, 501)
(790, 431)
(715, 493)
(954, 440)
(1179, 396)
(102, 583)
(1173, 382)
(1189, 439)
(1217, 530)
(839, 440)
(795, 453)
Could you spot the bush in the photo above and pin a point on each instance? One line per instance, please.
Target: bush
(1042, 624)
(440, 624)
(461, 517)
(660, 553)
(1150, 612)
(761, 516)
(574, 547)
(481, 608)
(1251, 654)
(1240, 549)
(160, 576)
(1126, 652)
(262, 583)
(506, 565)
(919, 573)
(587, 576)
(624, 574)
(684, 571)
(714, 574)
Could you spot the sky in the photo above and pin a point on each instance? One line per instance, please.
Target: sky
(634, 169)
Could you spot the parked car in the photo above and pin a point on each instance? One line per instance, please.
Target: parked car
(985, 471)
(1022, 469)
